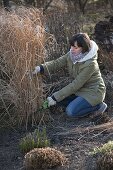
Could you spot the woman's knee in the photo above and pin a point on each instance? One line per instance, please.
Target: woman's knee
(70, 112)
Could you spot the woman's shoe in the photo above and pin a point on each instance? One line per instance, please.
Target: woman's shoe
(102, 109)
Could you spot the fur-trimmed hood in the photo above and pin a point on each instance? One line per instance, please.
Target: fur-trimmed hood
(92, 53)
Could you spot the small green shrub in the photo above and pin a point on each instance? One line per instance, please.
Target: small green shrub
(107, 147)
(36, 139)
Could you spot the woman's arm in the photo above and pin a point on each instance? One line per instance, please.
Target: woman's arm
(76, 84)
(55, 65)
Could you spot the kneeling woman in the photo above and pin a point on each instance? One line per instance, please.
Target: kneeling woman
(86, 93)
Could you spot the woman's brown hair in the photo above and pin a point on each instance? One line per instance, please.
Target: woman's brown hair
(82, 40)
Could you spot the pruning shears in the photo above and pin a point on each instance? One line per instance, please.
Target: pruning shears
(45, 105)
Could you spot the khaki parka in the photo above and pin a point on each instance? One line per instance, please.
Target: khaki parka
(87, 80)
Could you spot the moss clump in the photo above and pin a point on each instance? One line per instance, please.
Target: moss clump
(105, 162)
(43, 158)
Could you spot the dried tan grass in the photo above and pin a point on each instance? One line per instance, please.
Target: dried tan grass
(22, 40)
(106, 58)
(106, 127)
(105, 161)
(43, 158)
(63, 26)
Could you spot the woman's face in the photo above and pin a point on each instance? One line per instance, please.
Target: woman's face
(75, 49)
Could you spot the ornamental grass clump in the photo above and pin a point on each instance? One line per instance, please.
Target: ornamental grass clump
(107, 147)
(43, 158)
(105, 162)
(36, 139)
(63, 26)
(22, 39)
(104, 156)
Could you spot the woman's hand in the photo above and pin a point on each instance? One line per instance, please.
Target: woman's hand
(51, 102)
(37, 70)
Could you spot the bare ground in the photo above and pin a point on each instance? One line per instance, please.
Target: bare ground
(66, 134)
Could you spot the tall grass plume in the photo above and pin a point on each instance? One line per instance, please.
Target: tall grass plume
(22, 38)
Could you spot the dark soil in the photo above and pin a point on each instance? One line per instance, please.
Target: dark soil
(62, 131)
(10, 156)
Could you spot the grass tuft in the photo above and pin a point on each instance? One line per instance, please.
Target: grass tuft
(36, 139)
(107, 147)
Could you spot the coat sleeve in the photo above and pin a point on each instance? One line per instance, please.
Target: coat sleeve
(55, 65)
(83, 76)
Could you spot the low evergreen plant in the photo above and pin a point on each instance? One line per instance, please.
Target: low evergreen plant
(36, 139)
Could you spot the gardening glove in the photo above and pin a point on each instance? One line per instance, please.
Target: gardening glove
(51, 102)
(37, 70)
